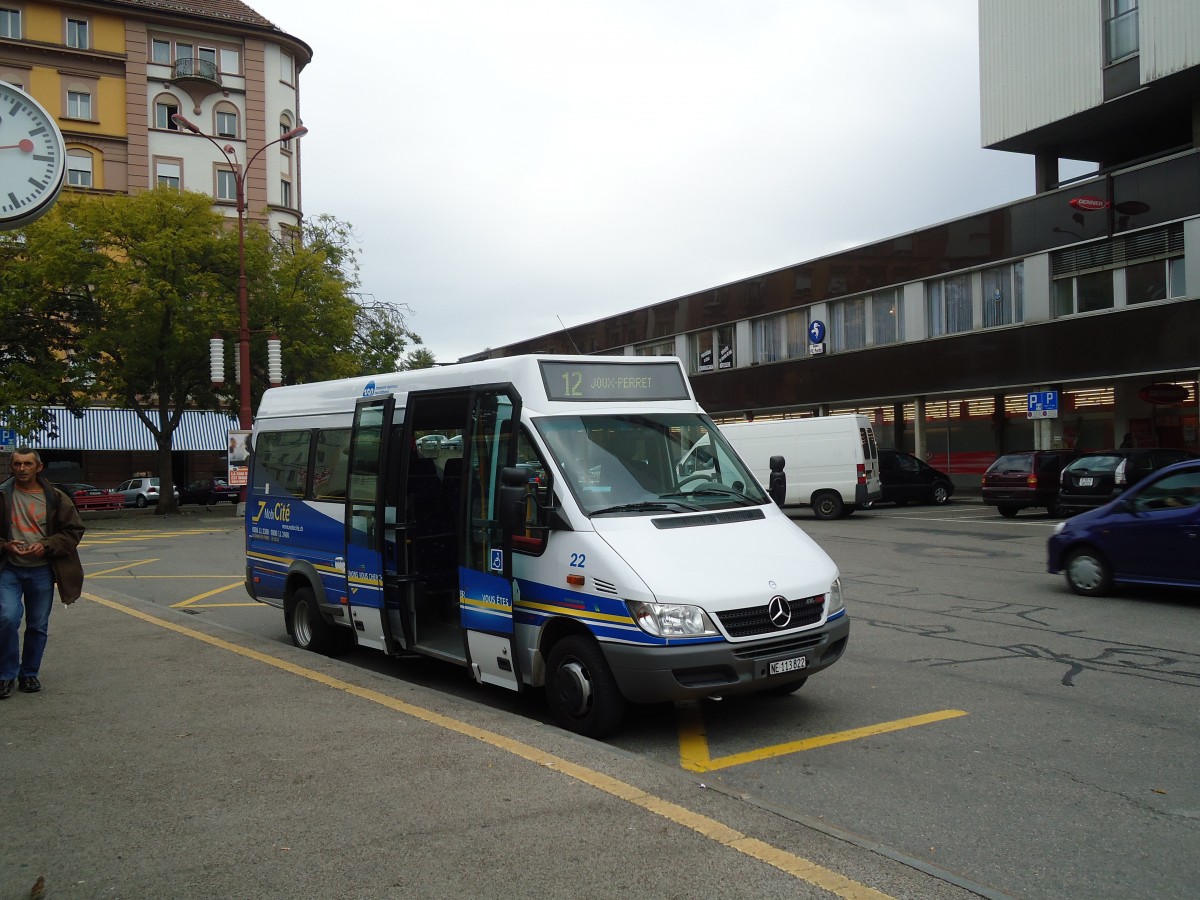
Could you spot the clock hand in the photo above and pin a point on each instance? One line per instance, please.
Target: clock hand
(26, 146)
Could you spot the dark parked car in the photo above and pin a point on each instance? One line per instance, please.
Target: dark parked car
(1092, 479)
(1017, 481)
(906, 478)
(1148, 535)
(88, 496)
(209, 491)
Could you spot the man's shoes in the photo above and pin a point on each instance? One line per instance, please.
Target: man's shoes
(6, 687)
(30, 685)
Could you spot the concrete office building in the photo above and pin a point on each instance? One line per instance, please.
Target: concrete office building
(1090, 289)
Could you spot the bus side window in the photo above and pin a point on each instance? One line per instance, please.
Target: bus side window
(280, 463)
(538, 500)
(333, 458)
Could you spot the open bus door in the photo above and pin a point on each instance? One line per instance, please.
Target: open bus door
(366, 517)
(487, 590)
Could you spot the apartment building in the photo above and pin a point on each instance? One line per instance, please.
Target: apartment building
(1087, 291)
(114, 74)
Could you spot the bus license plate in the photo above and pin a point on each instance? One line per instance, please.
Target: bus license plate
(788, 665)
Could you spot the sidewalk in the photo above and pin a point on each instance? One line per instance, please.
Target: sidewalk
(170, 758)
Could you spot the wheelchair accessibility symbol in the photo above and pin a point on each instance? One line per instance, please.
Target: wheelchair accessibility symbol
(497, 560)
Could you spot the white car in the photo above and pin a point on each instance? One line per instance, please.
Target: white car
(140, 492)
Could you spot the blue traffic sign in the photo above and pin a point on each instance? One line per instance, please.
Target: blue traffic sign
(816, 331)
(1042, 405)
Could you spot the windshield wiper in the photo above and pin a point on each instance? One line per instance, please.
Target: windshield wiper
(723, 490)
(646, 506)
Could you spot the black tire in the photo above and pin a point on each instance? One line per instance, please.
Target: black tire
(580, 688)
(1088, 573)
(308, 627)
(784, 690)
(140, 502)
(939, 495)
(828, 505)
(1008, 512)
(1053, 509)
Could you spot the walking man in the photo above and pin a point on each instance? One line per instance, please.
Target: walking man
(41, 530)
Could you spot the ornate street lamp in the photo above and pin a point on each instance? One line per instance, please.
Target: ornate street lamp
(245, 417)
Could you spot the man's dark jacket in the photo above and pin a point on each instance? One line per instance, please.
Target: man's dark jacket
(65, 532)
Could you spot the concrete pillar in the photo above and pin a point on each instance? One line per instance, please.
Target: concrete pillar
(898, 426)
(1045, 172)
(919, 444)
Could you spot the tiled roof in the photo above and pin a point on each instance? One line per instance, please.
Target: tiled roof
(226, 10)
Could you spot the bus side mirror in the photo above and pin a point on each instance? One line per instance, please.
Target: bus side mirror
(778, 485)
(513, 490)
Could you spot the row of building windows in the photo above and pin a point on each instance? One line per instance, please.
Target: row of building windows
(181, 54)
(76, 32)
(1139, 268)
(167, 173)
(225, 124)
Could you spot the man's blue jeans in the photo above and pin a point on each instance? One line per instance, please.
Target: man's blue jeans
(36, 585)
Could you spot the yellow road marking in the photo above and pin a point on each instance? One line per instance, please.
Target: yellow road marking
(220, 590)
(124, 537)
(121, 568)
(693, 742)
(110, 577)
(796, 866)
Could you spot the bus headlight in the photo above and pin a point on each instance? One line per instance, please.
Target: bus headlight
(833, 599)
(671, 619)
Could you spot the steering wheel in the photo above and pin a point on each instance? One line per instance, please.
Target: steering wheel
(698, 478)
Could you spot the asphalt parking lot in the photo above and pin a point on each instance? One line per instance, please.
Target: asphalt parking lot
(170, 757)
(987, 730)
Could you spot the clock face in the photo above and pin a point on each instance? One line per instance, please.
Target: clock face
(33, 158)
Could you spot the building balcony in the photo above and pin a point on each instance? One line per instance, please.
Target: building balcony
(196, 72)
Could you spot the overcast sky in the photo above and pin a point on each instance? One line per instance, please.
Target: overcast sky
(505, 164)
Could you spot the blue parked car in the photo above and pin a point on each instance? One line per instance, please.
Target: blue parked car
(1148, 535)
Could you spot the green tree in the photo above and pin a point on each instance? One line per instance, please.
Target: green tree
(155, 268)
(115, 298)
(38, 316)
(380, 333)
(419, 358)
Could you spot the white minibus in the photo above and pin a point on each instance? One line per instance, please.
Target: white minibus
(525, 518)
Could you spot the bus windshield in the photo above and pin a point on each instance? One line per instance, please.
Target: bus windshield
(639, 464)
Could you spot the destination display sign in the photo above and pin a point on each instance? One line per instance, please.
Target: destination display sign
(609, 381)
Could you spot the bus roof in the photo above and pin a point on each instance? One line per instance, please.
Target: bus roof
(546, 383)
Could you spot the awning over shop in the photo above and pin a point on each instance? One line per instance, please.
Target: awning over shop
(121, 429)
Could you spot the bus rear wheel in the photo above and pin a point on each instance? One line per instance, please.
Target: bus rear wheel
(309, 629)
(580, 688)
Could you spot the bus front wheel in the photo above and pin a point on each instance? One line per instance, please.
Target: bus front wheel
(580, 688)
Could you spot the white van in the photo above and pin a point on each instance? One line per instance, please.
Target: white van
(543, 539)
(832, 462)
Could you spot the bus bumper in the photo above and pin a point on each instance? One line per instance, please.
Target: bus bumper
(659, 674)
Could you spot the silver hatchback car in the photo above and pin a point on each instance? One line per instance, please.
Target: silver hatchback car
(140, 492)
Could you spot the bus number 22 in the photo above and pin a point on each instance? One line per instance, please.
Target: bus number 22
(578, 560)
